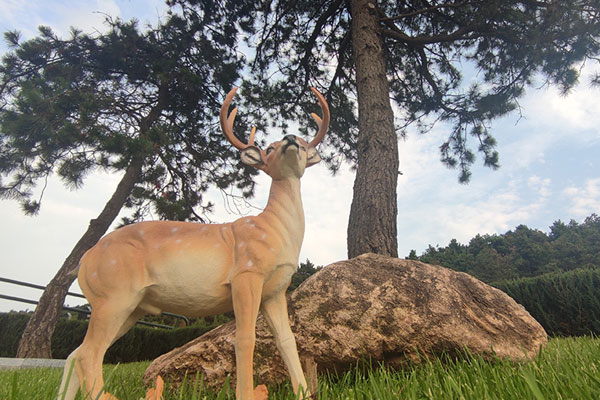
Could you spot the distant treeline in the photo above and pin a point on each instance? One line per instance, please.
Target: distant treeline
(555, 276)
(523, 252)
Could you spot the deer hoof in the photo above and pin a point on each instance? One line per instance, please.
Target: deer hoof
(155, 393)
(261, 393)
(108, 396)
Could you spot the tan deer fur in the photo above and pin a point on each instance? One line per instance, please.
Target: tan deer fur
(203, 269)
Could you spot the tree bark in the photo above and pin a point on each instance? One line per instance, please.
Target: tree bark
(372, 224)
(36, 339)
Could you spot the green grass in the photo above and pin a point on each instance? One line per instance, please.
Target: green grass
(569, 368)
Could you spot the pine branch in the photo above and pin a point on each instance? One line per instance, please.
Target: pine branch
(426, 10)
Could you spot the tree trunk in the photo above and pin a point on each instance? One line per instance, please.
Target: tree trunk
(372, 224)
(35, 341)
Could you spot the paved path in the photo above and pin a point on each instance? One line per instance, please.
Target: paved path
(12, 363)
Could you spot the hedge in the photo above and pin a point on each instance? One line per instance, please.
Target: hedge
(12, 325)
(564, 303)
(139, 344)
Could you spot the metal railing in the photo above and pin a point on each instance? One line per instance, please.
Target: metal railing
(80, 310)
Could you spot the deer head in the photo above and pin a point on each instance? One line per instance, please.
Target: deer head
(288, 157)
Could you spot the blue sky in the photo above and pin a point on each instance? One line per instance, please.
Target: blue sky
(548, 155)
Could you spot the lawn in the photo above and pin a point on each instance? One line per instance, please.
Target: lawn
(569, 368)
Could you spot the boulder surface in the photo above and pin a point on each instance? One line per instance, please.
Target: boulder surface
(387, 309)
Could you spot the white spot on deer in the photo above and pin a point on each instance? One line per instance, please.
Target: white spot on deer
(105, 244)
(272, 249)
(173, 230)
(217, 245)
(250, 263)
(178, 241)
(204, 229)
(263, 236)
(141, 232)
(113, 262)
(241, 244)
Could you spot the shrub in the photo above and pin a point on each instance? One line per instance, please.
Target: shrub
(564, 303)
(12, 324)
(139, 344)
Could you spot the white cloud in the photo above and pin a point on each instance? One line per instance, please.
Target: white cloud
(584, 200)
(573, 116)
(525, 150)
(86, 15)
(26, 16)
(35, 247)
(492, 213)
(540, 185)
(326, 202)
(434, 208)
(9, 8)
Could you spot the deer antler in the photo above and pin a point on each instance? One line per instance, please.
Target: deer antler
(227, 123)
(322, 123)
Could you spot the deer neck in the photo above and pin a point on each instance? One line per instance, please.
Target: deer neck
(284, 209)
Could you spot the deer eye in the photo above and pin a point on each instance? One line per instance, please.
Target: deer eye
(270, 149)
(302, 148)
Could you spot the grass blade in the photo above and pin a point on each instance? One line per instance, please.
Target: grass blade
(532, 384)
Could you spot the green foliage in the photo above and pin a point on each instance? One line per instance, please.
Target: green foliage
(428, 46)
(565, 303)
(565, 369)
(523, 252)
(98, 101)
(12, 324)
(305, 270)
(67, 336)
(144, 343)
(140, 343)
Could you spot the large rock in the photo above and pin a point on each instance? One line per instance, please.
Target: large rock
(377, 307)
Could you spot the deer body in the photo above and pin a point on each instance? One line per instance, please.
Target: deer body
(203, 269)
(187, 267)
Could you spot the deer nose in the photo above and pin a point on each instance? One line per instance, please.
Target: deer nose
(290, 138)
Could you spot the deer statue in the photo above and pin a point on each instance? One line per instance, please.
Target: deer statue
(203, 269)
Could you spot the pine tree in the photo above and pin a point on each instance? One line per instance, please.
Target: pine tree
(140, 103)
(366, 54)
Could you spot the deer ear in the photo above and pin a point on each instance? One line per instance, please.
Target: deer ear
(313, 157)
(252, 156)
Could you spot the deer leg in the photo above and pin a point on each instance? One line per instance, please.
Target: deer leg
(109, 321)
(246, 291)
(131, 321)
(70, 382)
(275, 313)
